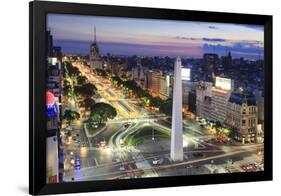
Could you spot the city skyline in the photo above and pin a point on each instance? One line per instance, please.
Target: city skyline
(151, 37)
(122, 117)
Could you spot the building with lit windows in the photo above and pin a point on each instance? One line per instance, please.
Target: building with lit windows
(203, 98)
(54, 76)
(52, 143)
(220, 95)
(260, 104)
(211, 61)
(187, 87)
(139, 75)
(159, 84)
(116, 69)
(211, 101)
(242, 116)
(165, 86)
(138, 72)
(55, 158)
(218, 104)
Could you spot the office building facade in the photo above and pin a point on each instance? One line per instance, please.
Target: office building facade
(242, 116)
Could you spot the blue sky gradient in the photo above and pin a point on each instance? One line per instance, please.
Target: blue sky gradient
(150, 37)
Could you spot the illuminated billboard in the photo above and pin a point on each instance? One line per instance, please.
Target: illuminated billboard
(223, 83)
(185, 73)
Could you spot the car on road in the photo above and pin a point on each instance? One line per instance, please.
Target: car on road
(211, 122)
(156, 161)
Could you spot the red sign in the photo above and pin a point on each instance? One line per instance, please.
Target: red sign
(50, 98)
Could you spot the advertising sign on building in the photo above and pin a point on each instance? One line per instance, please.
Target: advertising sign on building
(223, 83)
(185, 74)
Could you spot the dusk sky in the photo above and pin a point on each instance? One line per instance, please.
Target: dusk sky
(130, 36)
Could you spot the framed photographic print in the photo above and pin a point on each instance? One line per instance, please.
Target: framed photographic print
(128, 98)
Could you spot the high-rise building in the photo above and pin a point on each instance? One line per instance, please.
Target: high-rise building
(218, 104)
(211, 61)
(148, 80)
(242, 116)
(203, 98)
(159, 84)
(260, 104)
(139, 72)
(192, 101)
(226, 61)
(49, 39)
(95, 60)
(52, 145)
(187, 87)
(53, 119)
(153, 82)
(211, 100)
(220, 95)
(116, 69)
(165, 86)
(54, 76)
(57, 53)
(55, 157)
(177, 137)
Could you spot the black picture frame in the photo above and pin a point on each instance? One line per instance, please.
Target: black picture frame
(37, 125)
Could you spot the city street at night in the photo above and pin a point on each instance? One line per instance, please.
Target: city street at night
(125, 105)
(150, 156)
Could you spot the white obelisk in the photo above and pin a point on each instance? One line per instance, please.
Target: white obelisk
(177, 138)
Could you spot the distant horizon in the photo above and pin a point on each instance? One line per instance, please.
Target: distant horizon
(151, 37)
(83, 48)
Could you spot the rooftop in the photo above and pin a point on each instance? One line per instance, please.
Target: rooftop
(240, 98)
